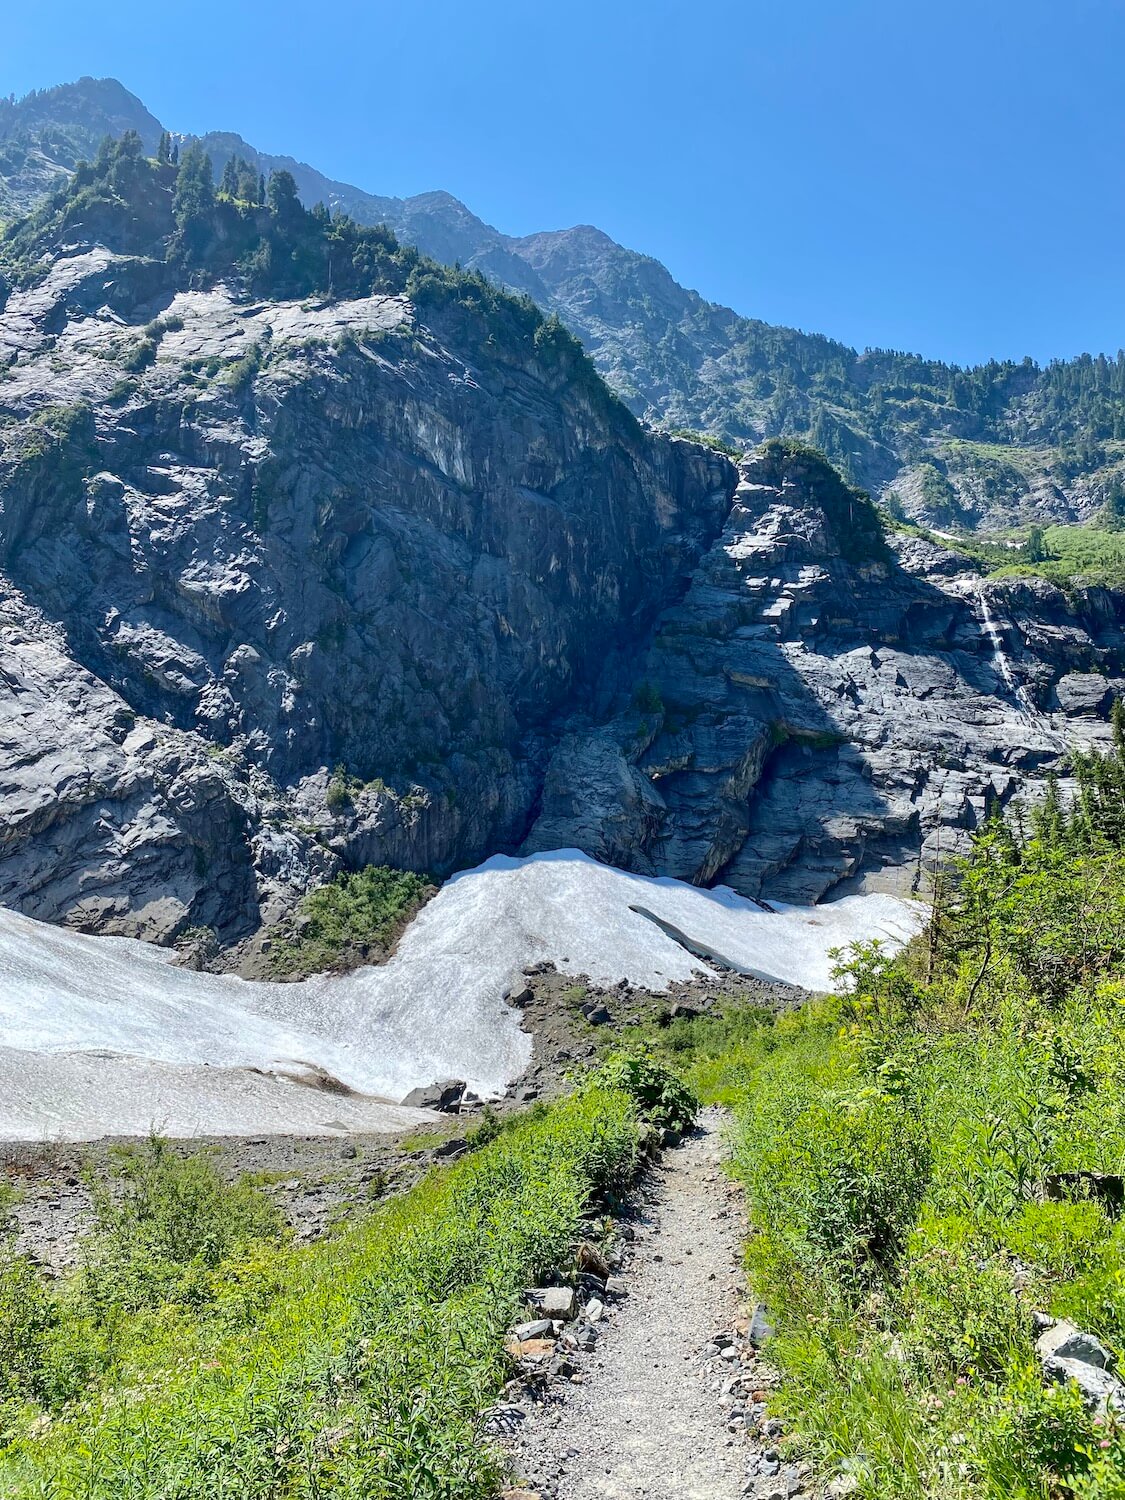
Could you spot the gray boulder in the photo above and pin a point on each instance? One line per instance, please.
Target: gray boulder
(445, 1095)
(553, 1301)
(1068, 1353)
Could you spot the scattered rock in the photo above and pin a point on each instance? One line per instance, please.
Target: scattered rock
(761, 1329)
(842, 1485)
(553, 1301)
(450, 1150)
(530, 1348)
(1064, 1340)
(445, 1095)
(1067, 1352)
(538, 1329)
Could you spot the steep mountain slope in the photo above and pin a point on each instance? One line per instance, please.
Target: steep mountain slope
(248, 540)
(314, 553)
(819, 706)
(44, 135)
(1000, 444)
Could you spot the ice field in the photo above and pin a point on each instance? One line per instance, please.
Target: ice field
(103, 1036)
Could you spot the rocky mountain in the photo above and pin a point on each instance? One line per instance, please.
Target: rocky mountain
(44, 135)
(819, 706)
(291, 581)
(295, 581)
(1001, 444)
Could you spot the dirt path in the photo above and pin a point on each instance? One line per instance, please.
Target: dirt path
(661, 1411)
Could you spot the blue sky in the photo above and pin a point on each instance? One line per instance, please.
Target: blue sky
(934, 175)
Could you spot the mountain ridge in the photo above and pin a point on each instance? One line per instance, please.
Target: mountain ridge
(995, 445)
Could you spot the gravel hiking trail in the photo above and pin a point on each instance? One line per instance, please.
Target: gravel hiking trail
(660, 1410)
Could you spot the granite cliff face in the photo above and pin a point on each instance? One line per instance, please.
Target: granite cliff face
(812, 713)
(321, 585)
(300, 537)
(290, 584)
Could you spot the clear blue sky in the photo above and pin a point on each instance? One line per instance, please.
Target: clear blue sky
(937, 175)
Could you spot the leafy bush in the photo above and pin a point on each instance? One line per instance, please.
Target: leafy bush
(354, 917)
(835, 1168)
(163, 1222)
(661, 1096)
(26, 1316)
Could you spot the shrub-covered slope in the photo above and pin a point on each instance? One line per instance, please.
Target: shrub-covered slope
(198, 1353)
(934, 1170)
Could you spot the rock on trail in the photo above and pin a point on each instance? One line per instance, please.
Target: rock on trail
(652, 1415)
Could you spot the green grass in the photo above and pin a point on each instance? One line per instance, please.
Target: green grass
(896, 1143)
(352, 918)
(1076, 554)
(356, 1367)
(1028, 459)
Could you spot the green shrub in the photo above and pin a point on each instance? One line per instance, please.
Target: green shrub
(661, 1096)
(957, 1310)
(647, 699)
(140, 356)
(163, 1222)
(835, 1170)
(26, 1316)
(356, 916)
(365, 1366)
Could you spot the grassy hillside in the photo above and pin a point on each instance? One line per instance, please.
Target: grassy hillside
(199, 1353)
(903, 1148)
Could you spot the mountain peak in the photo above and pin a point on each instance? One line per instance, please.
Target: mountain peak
(87, 102)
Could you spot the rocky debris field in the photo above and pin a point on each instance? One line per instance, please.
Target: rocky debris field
(572, 1019)
(647, 1382)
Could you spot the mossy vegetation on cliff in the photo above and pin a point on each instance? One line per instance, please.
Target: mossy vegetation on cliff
(353, 919)
(854, 523)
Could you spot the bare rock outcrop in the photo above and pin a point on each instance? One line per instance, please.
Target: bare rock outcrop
(288, 585)
(807, 714)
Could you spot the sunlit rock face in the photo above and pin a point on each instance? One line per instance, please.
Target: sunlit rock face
(287, 587)
(808, 719)
(246, 544)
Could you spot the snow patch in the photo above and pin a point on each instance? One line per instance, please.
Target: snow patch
(103, 1036)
